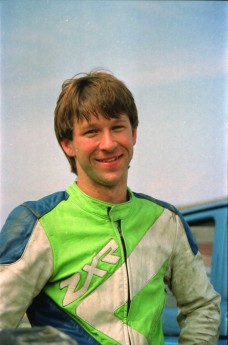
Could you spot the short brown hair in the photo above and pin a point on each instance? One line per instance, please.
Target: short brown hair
(95, 93)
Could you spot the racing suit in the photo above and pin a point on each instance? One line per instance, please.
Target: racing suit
(97, 271)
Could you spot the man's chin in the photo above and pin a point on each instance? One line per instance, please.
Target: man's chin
(112, 180)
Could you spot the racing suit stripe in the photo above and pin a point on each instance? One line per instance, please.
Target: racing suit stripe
(190, 237)
(140, 274)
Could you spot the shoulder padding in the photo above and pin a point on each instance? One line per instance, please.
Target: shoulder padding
(20, 223)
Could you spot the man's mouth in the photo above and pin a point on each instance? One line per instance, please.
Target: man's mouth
(109, 160)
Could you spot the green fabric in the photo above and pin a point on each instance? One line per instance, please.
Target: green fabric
(146, 317)
(78, 229)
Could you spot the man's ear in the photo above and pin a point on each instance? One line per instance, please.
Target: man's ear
(134, 135)
(67, 147)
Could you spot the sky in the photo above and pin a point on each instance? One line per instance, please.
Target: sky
(171, 54)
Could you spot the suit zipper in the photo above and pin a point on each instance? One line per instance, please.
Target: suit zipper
(125, 259)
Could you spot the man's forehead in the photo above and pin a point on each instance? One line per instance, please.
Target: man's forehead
(97, 118)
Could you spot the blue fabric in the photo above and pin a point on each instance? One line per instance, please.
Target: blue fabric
(46, 204)
(20, 224)
(44, 311)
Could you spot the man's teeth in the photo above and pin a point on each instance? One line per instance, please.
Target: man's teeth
(109, 160)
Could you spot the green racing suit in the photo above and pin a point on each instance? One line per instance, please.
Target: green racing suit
(98, 271)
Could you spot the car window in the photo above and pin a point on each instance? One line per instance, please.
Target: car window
(204, 233)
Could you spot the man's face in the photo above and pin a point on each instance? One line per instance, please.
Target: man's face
(103, 149)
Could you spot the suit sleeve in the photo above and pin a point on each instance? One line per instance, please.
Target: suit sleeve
(25, 265)
(198, 302)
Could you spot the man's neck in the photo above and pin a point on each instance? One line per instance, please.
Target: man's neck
(112, 195)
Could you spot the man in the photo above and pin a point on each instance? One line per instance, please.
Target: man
(93, 261)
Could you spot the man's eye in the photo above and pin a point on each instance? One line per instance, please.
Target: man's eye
(90, 132)
(118, 128)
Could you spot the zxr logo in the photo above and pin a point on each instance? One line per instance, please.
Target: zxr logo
(72, 282)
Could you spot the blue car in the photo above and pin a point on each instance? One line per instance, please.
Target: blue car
(209, 226)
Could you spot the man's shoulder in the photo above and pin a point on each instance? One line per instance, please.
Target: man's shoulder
(161, 203)
(36, 209)
(44, 205)
(177, 212)
(20, 224)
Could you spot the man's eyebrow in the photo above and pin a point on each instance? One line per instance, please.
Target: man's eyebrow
(121, 118)
(88, 125)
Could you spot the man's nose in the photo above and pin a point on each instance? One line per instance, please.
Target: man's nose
(107, 141)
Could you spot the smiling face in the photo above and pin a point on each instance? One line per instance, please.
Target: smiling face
(103, 149)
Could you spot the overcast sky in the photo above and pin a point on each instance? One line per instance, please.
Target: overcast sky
(171, 54)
